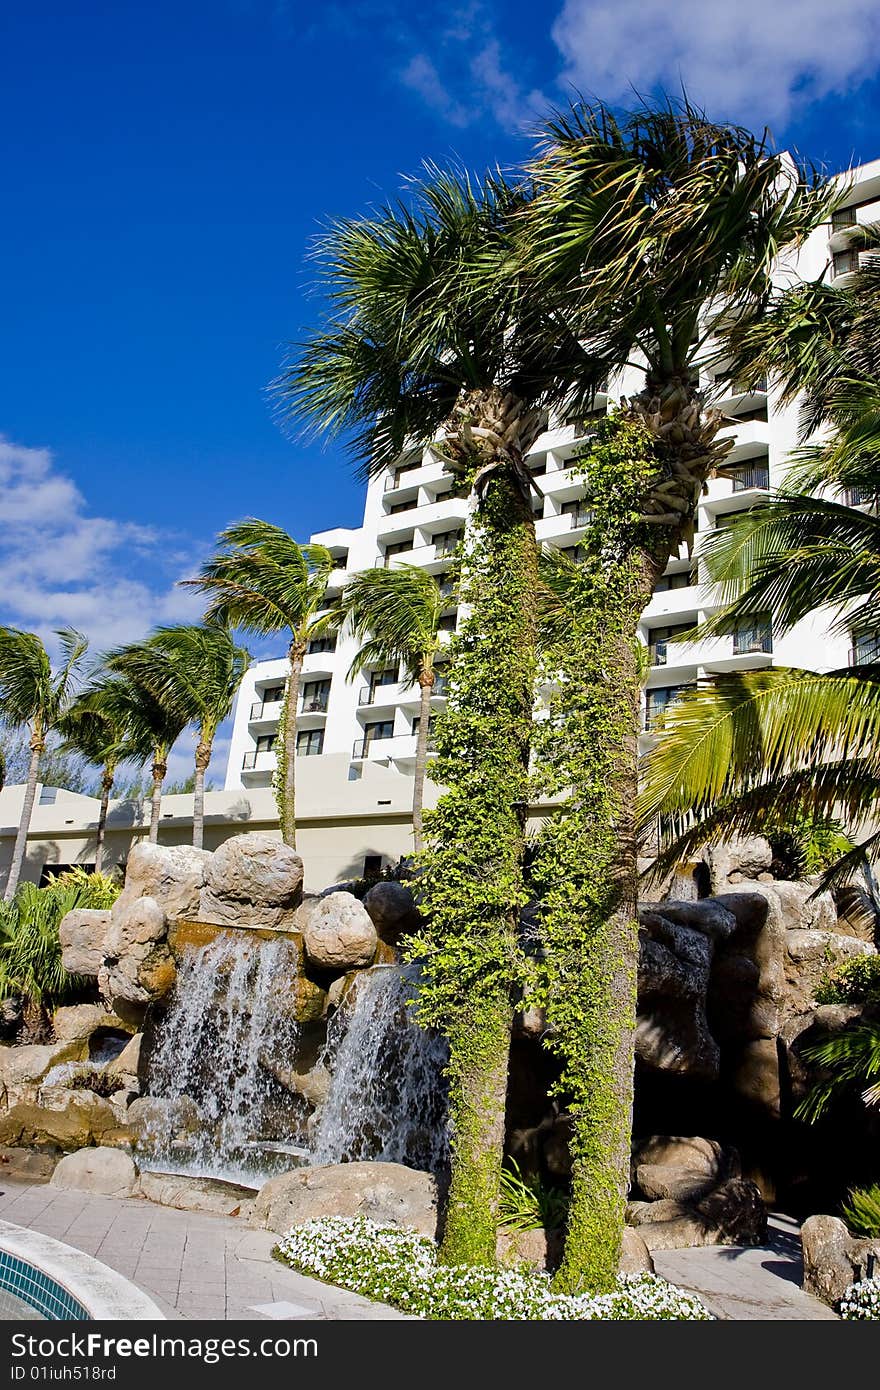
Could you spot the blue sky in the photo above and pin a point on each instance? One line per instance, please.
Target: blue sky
(165, 169)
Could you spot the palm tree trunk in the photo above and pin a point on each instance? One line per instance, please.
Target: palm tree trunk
(426, 685)
(159, 769)
(37, 746)
(285, 775)
(106, 789)
(203, 757)
(472, 885)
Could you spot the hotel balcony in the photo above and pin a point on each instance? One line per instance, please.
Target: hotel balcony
(265, 712)
(385, 696)
(400, 749)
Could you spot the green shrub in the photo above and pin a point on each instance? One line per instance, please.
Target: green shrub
(528, 1204)
(862, 1212)
(807, 844)
(30, 951)
(855, 981)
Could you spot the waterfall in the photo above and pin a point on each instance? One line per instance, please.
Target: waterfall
(387, 1098)
(224, 1015)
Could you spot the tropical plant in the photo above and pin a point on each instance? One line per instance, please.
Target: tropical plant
(30, 951)
(529, 1204)
(437, 336)
(192, 672)
(264, 583)
(852, 1061)
(854, 981)
(396, 614)
(664, 226)
(861, 1211)
(35, 697)
(100, 727)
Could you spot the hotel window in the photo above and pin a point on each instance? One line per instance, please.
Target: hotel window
(381, 728)
(321, 644)
(657, 700)
(273, 694)
(315, 695)
(265, 743)
(445, 542)
(309, 743)
(682, 579)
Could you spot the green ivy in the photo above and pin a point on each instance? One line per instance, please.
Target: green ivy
(471, 888)
(584, 867)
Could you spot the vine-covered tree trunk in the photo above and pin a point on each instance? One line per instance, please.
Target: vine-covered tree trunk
(203, 757)
(426, 686)
(106, 789)
(24, 824)
(472, 886)
(159, 769)
(285, 773)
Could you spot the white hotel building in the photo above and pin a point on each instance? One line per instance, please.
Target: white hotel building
(411, 518)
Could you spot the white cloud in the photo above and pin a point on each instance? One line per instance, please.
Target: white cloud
(751, 60)
(422, 77)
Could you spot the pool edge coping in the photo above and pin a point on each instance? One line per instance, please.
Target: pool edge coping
(106, 1295)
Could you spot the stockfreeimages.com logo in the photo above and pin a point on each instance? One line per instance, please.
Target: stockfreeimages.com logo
(93, 1346)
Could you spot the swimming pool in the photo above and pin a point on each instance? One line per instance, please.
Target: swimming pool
(26, 1291)
(41, 1277)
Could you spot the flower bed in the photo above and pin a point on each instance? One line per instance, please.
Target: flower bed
(400, 1268)
(861, 1301)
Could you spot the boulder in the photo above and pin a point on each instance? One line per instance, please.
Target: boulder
(746, 856)
(672, 1030)
(80, 1120)
(388, 1193)
(635, 1257)
(312, 1083)
(82, 934)
(22, 1069)
(338, 933)
(810, 955)
(77, 1022)
(731, 1214)
(833, 1257)
(393, 910)
(252, 880)
(11, 1017)
(535, 1248)
(706, 915)
(755, 1075)
(26, 1165)
(692, 1153)
(196, 1194)
(107, 1171)
(661, 1180)
(158, 1119)
(173, 875)
(138, 966)
(127, 1065)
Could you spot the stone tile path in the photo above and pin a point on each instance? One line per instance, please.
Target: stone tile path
(746, 1284)
(193, 1264)
(200, 1266)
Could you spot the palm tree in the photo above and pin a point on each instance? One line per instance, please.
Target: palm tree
(265, 582)
(154, 728)
(397, 614)
(35, 697)
(193, 672)
(664, 226)
(100, 726)
(437, 336)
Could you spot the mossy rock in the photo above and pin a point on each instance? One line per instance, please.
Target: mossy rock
(307, 1000)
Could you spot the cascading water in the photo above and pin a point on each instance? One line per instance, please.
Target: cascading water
(387, 1099)
(223, 1019)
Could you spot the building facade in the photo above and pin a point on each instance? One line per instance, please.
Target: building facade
(411, 517)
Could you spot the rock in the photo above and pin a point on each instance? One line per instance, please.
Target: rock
(128, 1062)
(11, 1017)
(252, 880)
(138, 967)
(756, 1075)
(635, 1257)
(833, 1257)
(732, 1214)
(393, 910)
(76, 1123)
(338, 990)
(706, 915)
(107, 1171)
(388, 1193)
(82, 934)
(26, 1164)
(22, 1069)
(659, 1180)
(77, 1022)
(312, 1083)
(672, 1030)
(810, 955)
(531, 1023)
(746, 856)
(535, 1248)
(156, 1118)
(802, 910)
(196, 1194)
(338, 933)
(173, 875)
(306, 1001)
(692, 1153)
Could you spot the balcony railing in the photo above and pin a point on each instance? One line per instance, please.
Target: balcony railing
(369, 694)
(582, 517)
(741, 385)
(442, 546)
(845, 263)
(866, 652)
(756, 476)
(860, 496)
(315, 704)
(843, 217)
(657, 653)
(759, 639)
(248, 761)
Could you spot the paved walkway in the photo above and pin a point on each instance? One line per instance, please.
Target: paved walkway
(193, 1264)
(742, 1283)
(201, 1266)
